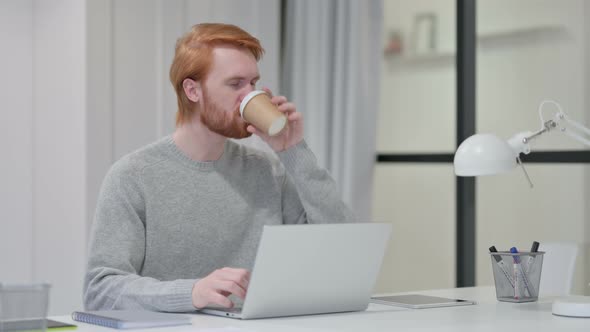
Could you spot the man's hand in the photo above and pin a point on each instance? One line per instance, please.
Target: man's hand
(217, 286)
(291, 134)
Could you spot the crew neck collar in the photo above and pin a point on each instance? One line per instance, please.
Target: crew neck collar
(187, 161)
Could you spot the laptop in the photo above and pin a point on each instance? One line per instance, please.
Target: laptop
(312, 269)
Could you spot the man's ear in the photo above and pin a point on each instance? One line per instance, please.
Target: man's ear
(192, 90)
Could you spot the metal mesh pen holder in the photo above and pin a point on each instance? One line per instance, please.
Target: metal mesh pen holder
(517, 275)
(23, 307)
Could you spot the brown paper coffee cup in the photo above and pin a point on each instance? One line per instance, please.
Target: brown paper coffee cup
(257, 109)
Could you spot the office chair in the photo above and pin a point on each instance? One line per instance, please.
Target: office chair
(558, 268)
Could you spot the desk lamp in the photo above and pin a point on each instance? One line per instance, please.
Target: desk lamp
(487, 154)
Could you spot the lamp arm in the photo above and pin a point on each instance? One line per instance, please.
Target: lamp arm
(520, 142)
(566, 125)
(572, 128)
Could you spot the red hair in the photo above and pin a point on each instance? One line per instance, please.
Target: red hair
(194, 55)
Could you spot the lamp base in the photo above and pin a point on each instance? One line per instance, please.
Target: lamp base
(572, 306)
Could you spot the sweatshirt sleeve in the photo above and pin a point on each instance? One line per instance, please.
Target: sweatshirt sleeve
(117, 252)
(310, 195)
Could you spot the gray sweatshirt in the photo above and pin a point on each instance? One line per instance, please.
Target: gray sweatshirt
(163, 221)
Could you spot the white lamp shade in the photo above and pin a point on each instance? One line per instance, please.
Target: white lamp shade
(484, 154)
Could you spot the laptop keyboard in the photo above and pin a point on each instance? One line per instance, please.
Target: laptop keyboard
(234, 310)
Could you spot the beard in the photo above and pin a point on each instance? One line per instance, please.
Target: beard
(218, 120)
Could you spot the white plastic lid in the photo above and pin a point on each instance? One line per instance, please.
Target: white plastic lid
(247, 99)
(572, 306)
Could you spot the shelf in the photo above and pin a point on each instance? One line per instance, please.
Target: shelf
(424, 59)
(546, 34)
(489, 38)
(521, 32)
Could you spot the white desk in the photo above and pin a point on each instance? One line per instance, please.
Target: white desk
(487, 315)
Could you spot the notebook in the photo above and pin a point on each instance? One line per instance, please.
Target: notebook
(312, 269)
(130, 319)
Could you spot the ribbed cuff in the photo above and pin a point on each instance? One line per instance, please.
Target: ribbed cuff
(181, 296)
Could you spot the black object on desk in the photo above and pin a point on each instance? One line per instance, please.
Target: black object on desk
(34, 324)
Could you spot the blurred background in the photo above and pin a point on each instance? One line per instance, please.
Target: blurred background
(83, 83)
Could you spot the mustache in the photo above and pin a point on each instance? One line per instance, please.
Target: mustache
(237, 112)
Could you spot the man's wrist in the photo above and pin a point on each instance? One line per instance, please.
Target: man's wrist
(195, 296)
(297, 156)
(286, 147)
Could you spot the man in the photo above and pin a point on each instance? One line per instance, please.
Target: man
(178, 222)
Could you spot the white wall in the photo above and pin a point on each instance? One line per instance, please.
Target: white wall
(59, 175)
(587, 173)
(43, 115)
(83, 83)
(99, 106)
(16, 140)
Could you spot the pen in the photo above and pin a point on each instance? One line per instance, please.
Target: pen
(534, 248)
(515, 261)
(518, 270)
(530, 286)
(502, 266)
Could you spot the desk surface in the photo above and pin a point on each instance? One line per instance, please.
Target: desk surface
(487, 315)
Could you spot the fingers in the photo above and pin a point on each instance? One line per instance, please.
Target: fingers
(295, 116)
(267, 90)
(220, 300)
(231, 287)
(234, 281)
(240, 276)
(287, 107)
(278, 100)
(217, 286)
(281, 101)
